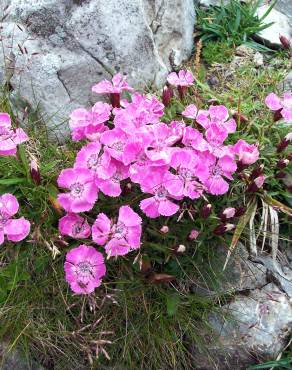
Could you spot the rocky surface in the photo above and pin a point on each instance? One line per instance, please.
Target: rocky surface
(55, 50)
(286, 84)
(280, 26)
(255, 325)
(15, 360)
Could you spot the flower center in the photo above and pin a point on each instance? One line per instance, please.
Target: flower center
(216, 171)
(118, 146)
(185, 173)
(117, 177)
(5, 133)
(77, 228)
(77, 190)
(4, 217)
(161, 192)
(120, 230)
(85, 269)
(93, 161)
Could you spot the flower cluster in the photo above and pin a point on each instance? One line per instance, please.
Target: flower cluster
(168, 161)
(14, 229)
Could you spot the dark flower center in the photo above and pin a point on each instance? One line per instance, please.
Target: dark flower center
(77, 190)
(85, 269)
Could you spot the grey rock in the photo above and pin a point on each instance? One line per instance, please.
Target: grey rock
(63, 47)
(252, 328)
(285, 7)
(15, 360)
(258, 59)
(286, 84)
(241, 274)
(280, 26)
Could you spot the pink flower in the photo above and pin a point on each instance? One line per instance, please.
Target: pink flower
(219, 115)
(15, 229)
(184, 182)
(140, 112)
(88, 124)
(194, 139)
(212, 171)
(84, 267)
(247, 153)
(116, 86)
(91, 157)
(83, 190)
(160, 147)
(284, 105)
(114, 141)
(190, 111)
(111, 185)
(182, 78)
(154, 182)
(227, 213)
(120, 238)
(9, 137)
(75, 226)
(194, 234)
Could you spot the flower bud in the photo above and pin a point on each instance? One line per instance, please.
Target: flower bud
(181, 248)
(277, 115)
(167, 94)
(241, 166)
(240, 117)
(182, 91)
(285, 42)
(280, 175)
(257, 172)
(115, 100)
(227, 213)
(164, 229)
(34, 172)
(284, 143)
(289, 157)
(178, 249)
(289, 188)
(206, 211)
(256, 184)
(282, 163)
(240, 211)
(193, 234)
(223, 228)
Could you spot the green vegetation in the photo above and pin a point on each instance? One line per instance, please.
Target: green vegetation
(217, 52)
(151, 325)
(235, 23)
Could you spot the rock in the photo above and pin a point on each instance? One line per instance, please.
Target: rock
(286, 84)
(258, 59)
(252, 329)
(240, 275)
(285, 7)
(63, 47)
(244, 54)
(244, 51)
(15, 360)
(280, 26)
(207, 3)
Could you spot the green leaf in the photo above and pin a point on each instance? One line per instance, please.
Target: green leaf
(13, 181)
(172, 303)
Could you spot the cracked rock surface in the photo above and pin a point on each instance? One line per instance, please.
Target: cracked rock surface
(61, 48)
(254, 326)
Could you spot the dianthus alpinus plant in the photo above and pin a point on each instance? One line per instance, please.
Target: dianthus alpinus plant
(147, 189)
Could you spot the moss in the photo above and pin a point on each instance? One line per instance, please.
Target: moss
(217, 52)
